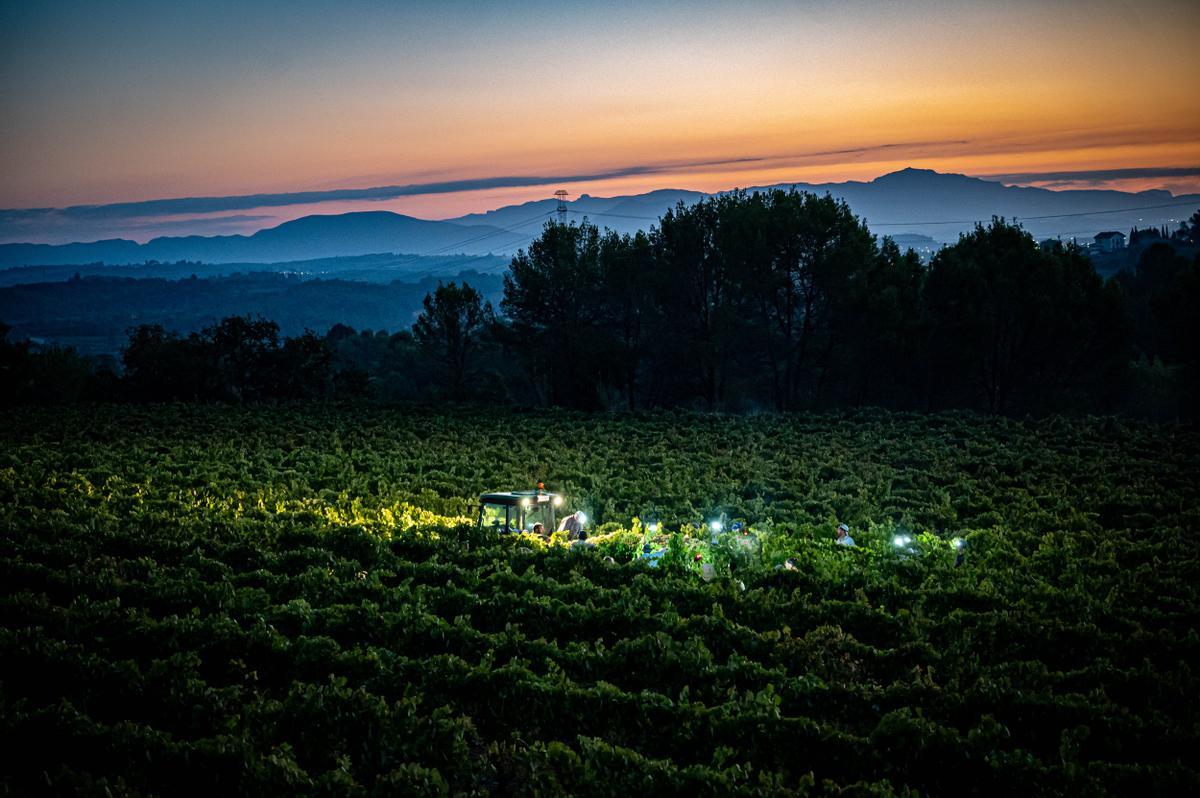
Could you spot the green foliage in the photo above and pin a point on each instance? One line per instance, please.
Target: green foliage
(264, 600)
(1021, 329)
(451, 329)
(238, 359)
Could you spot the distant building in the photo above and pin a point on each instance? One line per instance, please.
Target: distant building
(1051, 245)
(1110, 241)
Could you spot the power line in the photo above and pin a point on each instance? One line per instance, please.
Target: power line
(442, 269)
(1118, 210)
(1045, 216)
(495, 232)
(614, 215)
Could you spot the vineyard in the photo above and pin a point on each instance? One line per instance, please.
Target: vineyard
(292, 600)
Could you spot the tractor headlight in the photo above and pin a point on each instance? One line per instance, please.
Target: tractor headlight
(524, 502)
(558, 501)
(715, 526)
(898, 541)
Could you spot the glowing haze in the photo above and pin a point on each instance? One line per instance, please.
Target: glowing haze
(128, 101)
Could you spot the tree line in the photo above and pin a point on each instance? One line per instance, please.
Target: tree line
(784, 300)
(778, 300)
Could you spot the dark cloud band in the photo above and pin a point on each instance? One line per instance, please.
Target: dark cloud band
(1097, 175)
(201, 205)
(183, 206)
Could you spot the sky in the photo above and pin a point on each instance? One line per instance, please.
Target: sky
(469, 106)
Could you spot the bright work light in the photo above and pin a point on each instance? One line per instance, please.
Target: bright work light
(653, 527)
(715, 526)
(524, 502)
(959, 543)
(558, 501)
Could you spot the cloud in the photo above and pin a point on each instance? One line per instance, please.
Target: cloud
(183, 215)
(233, 221)
(204, 205)
(1096, 176)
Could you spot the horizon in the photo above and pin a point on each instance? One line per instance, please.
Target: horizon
(247, 225)
(461, 109)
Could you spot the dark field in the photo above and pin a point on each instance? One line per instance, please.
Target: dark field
(292, 601)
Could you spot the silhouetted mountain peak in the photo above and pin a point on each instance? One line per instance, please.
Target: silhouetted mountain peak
(913, 176)
(355, 220)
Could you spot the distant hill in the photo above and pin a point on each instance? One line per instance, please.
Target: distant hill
(95, 314)
(910, 201)
(944, 205)
(362, 233)
(624, 213)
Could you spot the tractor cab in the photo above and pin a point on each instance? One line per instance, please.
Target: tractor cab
(518, 510)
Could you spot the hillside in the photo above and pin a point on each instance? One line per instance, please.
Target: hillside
(309, 237)
(910, 201)
(94, 314)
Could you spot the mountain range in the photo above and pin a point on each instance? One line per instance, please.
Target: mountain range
(922, 201)
(306, 238)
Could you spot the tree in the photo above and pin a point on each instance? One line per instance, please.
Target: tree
(1162, 293)
(241, 352)
(238, 359)
(1017, 329)
(304, 367)
(798, 258)
(552, 301)
(1189, 231)
(450, 330)
(1151, 288)
(161, 366)
(627, 265)
(696, 294)
(44, 375)
(882, 354)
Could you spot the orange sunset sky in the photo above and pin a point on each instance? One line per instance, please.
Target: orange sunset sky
(107, 103)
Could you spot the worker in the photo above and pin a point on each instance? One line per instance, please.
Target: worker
(539, 529)
(843, 535)
(652, 557)
(573, 526)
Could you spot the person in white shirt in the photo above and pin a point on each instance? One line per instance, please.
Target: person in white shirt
(573, 526)
(843, 535)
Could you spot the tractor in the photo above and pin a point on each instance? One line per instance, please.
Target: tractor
(518, 510)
